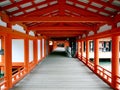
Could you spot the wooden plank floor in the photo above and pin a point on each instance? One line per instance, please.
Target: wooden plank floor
(58, 72)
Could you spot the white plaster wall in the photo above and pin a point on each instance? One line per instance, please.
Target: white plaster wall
(2, 23)
(17, 50)
(90, 33)
(30, 50)
(83, 36)
(118, 24)
(31, 33)
(38, 49)
(18, 28)
(42, 47)
(105, 27)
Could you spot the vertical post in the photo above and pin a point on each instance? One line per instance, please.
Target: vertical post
(45, 47)
(35, 50)
(8, 61)
(81, 49)
(96, 54)
(87, 51)
(41, 48)
(26, 54)
(115, 59)
(78, 48)
(2, 56)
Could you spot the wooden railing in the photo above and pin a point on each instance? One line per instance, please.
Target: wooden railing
(102, 73)
(31, 65)
(118, 82)
(18, 75)
(90, 65)
(2, 83)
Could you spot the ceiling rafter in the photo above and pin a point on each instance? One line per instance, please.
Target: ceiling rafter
(82, 11)
(61, 7)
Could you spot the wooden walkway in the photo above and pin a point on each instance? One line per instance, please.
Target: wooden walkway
(58, 72)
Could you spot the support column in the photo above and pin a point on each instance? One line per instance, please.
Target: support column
(8, 61)
(81, 49)
(96, 54)
(78, 48)
(2, 56)
(35, 50)
(41, 48)
(45, 48)
(87, 51)
(26, 54)
(115, 59)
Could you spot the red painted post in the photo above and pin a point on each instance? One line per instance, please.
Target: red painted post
(26, 54)
(87, 51)
(78, 48)
(115, 60)
(8, 61)
(35, 50)
(45, 47)
(2, 56)
(81, 49)
(96, 54)
(41, 48)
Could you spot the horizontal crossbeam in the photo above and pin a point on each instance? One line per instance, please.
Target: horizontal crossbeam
(59, 28)
(61, 19)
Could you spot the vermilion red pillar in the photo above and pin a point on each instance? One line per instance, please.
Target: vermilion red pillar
(96, 54)
(115, 60)
(2, 56)
(78, 48)
(26, 54)
(87, 51)
(81, 49)
(8, 61)
(45, 48)
(41, 48)
(35, 50)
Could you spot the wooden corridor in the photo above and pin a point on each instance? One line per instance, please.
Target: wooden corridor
(59, 72)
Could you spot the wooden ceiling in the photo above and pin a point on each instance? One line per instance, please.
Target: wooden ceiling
(61, 18)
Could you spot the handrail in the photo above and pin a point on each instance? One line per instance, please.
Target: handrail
(17, 70)
(118, 82)
(101, 72)
(90, 65)
(2, 83)
(104, 74)
(18, 75)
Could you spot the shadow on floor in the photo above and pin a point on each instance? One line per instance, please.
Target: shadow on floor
(59, 53)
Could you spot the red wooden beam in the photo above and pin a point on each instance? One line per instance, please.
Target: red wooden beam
(61, 7)
(82, 12)
(61, 19)
(60, 28)
(117, 18)
(59, 35)
(62, 33)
